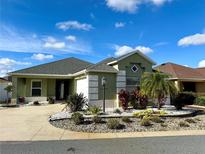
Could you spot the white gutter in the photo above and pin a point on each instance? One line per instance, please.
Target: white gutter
(188, 79)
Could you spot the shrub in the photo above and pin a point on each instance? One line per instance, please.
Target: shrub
(36, 103)
(126, 119)
(163, 125)
(190, 120)
(156, 119)
(94, 109)
(145, 121)
(200, 100)
(21, 99)
(51, 100)
(141, 114)
(197, 119)
(138, 100)
(114, 124)
(182, 99)
(149, 113)
(117, 111)
(77, 118)
(183, 124)
(97, 119)
(76, 102)
(123, 96)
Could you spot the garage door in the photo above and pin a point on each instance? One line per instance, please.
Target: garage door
(82, 86)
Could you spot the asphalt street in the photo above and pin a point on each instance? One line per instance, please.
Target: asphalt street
(147, 145)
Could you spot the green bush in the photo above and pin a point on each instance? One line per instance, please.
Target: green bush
(183, 124)
(156, 119)
(51, 100)
(149, 113)
(126, 119)
(190, 120)
(94, 109)
(200, 100)
(36, 103)
(76, 102)
(97, 119)
(117, 111)
(77, 118)
(114, 124)
(163, 125)
(145, 121)
(182, 99)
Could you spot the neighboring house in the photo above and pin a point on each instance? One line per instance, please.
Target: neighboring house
(185, 78)
(64, 77)
(3, 84)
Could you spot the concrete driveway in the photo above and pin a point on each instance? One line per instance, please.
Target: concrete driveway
(30, 123)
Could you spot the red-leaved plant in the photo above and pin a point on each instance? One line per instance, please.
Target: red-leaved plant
(123, 96)
(138, 100)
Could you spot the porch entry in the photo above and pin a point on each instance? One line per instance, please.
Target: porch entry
(62, 89)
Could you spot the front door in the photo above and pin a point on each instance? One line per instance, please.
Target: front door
(62, 89)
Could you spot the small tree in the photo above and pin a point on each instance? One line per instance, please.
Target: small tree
(8, 89)
(157, 86)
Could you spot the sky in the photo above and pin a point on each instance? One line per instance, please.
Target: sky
(33, 32)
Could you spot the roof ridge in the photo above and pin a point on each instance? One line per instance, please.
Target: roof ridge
(99, 62)
(51, 63)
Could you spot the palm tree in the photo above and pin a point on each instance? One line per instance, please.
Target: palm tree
(157, 86)
(8, 89)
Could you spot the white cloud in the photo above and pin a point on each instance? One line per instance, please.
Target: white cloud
(143, 49)
(119, 24)
(131, 5)
(41, 56)
(159, 2)
(7, 65)
(196, 39)
(201, 63)
(121, 50)
(70, 38)
(15, 40)
(123, 5)
(52, 43)
(161, 43)
(65, 25)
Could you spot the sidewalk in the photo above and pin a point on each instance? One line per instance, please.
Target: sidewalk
(30, 123)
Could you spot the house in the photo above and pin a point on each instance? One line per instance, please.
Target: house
(185, 78)
(61, 78)
(3, 84)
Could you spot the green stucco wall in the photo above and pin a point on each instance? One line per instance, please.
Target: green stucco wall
(22, 86)
(142, 64)
(51, 87)
(138, 60)
(110, 88)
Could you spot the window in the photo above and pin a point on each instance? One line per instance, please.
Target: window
(36, 88)
(132, 81)
(134, 68)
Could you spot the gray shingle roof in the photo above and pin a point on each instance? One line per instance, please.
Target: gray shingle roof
(102, 66)
(60, 67)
